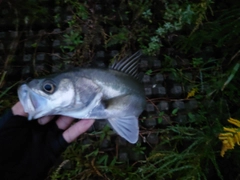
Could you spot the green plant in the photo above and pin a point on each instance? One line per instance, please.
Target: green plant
(203, 32)
(180, 155)
(72, 41)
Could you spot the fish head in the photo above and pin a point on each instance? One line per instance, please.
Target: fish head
(47, 96)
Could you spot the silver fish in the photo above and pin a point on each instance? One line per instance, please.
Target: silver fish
(113, 93)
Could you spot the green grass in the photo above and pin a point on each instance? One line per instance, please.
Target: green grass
(206, 34)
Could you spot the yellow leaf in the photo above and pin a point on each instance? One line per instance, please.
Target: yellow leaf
(230, 137)
(236, 138)
(233, 130)
(234, 121)
(231, 142)
(225, 134)
(192, 92)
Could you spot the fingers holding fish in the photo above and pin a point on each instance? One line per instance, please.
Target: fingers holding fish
(77, 129)
(63, 122)
(18, 109)
(44, 120)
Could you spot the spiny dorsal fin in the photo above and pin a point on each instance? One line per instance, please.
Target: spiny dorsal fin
(128, 65)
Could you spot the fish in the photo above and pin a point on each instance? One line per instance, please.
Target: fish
(114, 93)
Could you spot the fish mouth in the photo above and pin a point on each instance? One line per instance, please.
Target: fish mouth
(23, 94)
(30, 101)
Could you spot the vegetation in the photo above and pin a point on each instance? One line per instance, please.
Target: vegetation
(198, 45)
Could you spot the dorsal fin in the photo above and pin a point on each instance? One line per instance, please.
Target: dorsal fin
(128, 65)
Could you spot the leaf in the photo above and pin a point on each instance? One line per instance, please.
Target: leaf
(103, 160)
(174, 112)
(160, 118)
(113, 161)
(191, 116)
(94, 154)
(234, 70)
(148, 72)
(34, 45)
(192, 92)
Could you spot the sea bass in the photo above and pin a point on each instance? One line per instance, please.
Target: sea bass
(112, 93)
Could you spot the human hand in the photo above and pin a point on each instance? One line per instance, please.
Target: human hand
(30, 148)
(63, 123)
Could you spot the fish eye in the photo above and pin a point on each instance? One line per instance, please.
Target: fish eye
(48, 87)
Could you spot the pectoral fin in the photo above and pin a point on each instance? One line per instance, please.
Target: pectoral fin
(126, 127)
